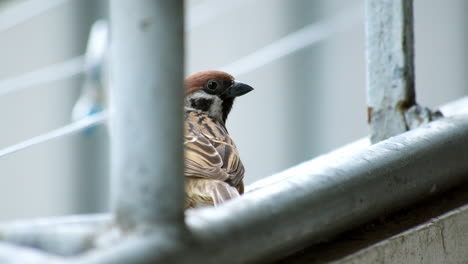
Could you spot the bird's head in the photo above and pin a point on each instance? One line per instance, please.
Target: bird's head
(213, 93)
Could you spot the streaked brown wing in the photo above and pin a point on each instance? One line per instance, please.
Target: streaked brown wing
(210, 152)
(201, 158)
(232, 164)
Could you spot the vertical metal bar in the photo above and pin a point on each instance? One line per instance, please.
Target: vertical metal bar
(390, 61)
(391, 97)
(146, 113)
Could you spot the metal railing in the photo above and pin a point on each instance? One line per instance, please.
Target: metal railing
(308, 203)
(391, 96)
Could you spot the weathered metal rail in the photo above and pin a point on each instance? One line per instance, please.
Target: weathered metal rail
(391, 93)
(307, 203)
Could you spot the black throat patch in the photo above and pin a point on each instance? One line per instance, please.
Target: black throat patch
(227, 106)
(201, 104)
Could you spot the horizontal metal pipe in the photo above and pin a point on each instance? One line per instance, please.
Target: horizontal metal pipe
(66, 235)
(338, 194)
(42, 233)
(316, 202)
(13, 254)
(307, 203)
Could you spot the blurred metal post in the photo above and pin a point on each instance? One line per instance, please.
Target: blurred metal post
(392, 107)
(146, 114)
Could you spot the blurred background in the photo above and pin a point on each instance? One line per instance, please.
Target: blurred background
(309, 93)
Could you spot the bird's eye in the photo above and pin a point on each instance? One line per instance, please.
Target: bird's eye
(212, 85)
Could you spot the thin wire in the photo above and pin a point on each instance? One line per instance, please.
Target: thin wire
(13, 16)
(50, 73)
(60, 132)
(285, 46)
(293, 42)
(199, 15)
(210, 10)
(25, 11)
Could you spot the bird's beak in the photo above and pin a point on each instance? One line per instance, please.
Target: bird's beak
(237, 89)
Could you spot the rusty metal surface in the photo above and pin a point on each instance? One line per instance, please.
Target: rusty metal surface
(391, 98)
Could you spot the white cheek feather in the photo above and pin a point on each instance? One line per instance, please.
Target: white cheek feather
(216, 109)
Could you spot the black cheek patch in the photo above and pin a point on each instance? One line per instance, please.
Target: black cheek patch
(201, 104)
